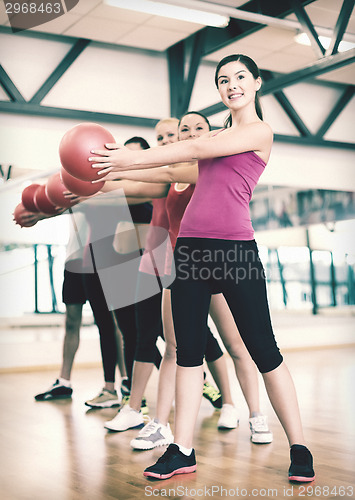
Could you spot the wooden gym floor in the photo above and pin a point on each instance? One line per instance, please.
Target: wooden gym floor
(61, 451)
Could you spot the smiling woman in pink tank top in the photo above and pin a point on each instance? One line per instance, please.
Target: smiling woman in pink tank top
(216, 253)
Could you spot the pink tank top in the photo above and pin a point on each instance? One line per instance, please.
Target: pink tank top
(153, 258)
(219, 207)
(176, 204)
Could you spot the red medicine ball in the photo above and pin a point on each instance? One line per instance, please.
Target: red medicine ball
(55, 191)
(28, 197)
(43, 203)
(76, 186)
(75, 147)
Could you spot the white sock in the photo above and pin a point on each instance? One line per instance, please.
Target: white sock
(185, 451)
(64, 381)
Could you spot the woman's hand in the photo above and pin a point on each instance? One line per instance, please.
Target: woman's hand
(111, 176)
(74, 198)
(30, 219)
(112, 159)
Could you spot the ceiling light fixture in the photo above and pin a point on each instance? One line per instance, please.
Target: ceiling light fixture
(303, 39)
(172, 11)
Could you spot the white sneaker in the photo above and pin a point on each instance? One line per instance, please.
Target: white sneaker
(260, 432)
(126, 418)
(152, 435)
(228, 418)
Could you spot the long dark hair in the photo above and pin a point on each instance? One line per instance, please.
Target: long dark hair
(254, 70)
(138, 140)
(195, 113)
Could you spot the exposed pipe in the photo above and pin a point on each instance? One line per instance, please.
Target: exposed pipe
(227, 11)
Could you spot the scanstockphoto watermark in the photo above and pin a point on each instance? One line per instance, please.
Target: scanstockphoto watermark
(24, 15)
(237, 264)
(210, 491)
(219, 491)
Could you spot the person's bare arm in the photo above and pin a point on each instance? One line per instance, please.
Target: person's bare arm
(184, 173)
(134, 189)
(256, 136)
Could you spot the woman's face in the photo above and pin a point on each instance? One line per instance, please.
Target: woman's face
(167, 133)
(192, 126)
(236, 85)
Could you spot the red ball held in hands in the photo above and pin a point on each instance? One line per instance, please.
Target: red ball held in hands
(55, 192)
(43, 203)
(19, 213)
(28, 198)
(79, 187)
(75, 147)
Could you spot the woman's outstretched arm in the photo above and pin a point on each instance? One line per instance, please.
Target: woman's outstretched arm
(184, 173)
(134, 189)
(256, 136)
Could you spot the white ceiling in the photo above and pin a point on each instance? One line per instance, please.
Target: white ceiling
(273, 48)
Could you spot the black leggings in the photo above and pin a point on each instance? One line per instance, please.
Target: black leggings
(126, 320)
(205, 266)
(150, 326)
(148, 319)
(105, 324)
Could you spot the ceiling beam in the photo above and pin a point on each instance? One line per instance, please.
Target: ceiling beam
(176, 67)
(10, 88)
(195, 59)
(181, 87)
(26, 108)
(317, 68)
(340, 27)
(308, 27)
(59, 71)
(313, 141)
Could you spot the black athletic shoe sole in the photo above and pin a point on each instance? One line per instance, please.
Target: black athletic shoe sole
(51, 397)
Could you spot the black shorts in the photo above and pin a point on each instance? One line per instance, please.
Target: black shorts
(73, 291)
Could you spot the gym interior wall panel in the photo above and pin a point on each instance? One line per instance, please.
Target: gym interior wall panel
(29, 61)
(125, 82)
(310, 167)
(313, 103)
(343, 128)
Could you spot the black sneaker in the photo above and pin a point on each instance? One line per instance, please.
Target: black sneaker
(56, 391)
(172, 462)
(212, 394)
(301, 468)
